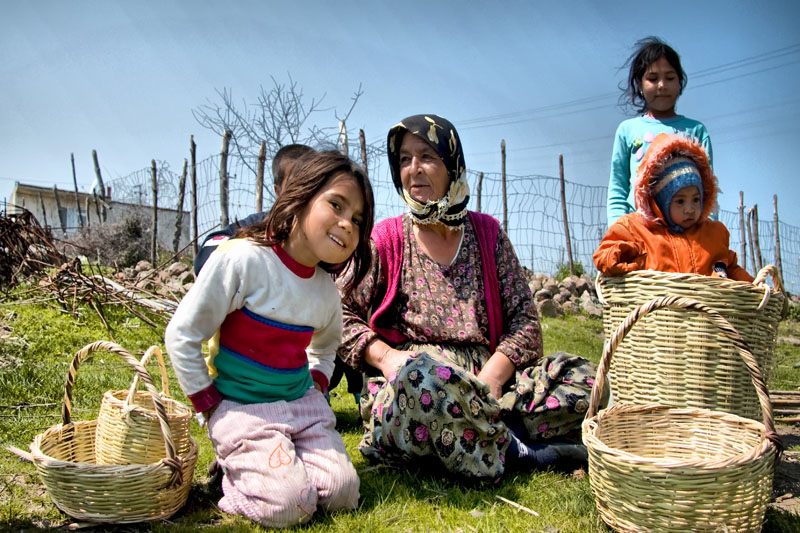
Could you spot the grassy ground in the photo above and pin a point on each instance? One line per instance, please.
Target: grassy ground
(37, 343)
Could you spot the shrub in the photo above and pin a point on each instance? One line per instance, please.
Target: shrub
(125, 243)
(794, 312)
(562, 270)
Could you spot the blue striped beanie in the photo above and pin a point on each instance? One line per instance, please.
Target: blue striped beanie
(678, 173)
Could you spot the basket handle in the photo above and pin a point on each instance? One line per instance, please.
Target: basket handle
(599, 291)
(776, 277)
(162, 367)
(172, 460)
(718, 320)
(777, 281)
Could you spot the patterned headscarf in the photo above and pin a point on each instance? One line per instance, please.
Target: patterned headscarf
(451, 209)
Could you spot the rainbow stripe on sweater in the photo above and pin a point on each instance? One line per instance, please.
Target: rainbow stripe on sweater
(260, 360)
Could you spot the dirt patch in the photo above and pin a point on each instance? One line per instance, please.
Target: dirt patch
(786, 486)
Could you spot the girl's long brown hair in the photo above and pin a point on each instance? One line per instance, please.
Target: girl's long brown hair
(307, 178)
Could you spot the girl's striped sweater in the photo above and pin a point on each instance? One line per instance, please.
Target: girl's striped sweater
(274, 326)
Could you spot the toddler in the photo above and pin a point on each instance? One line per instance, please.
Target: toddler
(670, 231)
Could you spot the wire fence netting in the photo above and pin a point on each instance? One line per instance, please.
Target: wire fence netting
(533, 202)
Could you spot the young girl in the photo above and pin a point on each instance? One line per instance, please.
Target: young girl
(670, 232)
(276, 320)
(655, 81)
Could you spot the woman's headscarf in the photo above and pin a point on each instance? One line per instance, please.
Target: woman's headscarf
(451, 209)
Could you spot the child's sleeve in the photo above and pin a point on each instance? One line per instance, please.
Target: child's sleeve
(735, 271)
(216, 292)
(705, 142)
(619, 251)
(321, 351)
(619, 182)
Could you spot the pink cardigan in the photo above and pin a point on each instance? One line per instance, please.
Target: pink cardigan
(388, 238)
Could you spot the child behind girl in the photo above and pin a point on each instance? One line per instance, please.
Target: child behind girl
(675, 192)
(655, 81)
(278, 323)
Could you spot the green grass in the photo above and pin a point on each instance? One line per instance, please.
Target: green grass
(39, 344)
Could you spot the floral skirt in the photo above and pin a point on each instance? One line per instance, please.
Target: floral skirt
(433, 408)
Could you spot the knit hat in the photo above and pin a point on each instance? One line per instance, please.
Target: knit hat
(679, 173)
(451, 209)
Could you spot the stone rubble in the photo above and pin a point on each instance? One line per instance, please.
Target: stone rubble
(572, 295)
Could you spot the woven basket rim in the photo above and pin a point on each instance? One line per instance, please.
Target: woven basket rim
(116, 399)
(757, 287)
(54, 432)
(699, 278)
(607, 416)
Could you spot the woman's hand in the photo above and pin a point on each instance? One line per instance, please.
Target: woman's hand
(385, 358)
(497, 370)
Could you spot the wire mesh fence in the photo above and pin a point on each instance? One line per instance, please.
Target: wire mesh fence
(534, 210)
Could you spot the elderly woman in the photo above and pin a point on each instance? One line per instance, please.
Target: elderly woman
(445, 325)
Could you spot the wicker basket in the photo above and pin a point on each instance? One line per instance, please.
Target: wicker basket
(64, 456)
(128, 430)
(674, 357)
(662, 468)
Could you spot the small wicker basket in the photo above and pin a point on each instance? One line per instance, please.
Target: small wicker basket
(675, 357)
(128, 429)
(64, 456)
(662, 468)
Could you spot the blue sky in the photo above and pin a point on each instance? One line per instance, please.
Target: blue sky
(123, 77)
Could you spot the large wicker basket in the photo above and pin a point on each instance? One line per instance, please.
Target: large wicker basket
(64, 456)
(675, 357)
(128, 429)
(662, 468)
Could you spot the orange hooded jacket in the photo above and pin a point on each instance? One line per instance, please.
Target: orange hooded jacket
(643, 241)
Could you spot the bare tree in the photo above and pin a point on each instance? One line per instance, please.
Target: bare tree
(281, 115)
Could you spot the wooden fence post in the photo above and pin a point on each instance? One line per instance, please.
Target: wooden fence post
(97, 206)
(153, 238)
(503, 180)
(362, 140)
(44, 211)
(343, 138)
(99, 182)
(480, 188)
(750, 238)
(756, 243)
(193, 155)
(62, 217)
(564, 211)
(77, 198)
(778, 259)
(742, 230)
(262, 161)
(179, 216)
(223, 179)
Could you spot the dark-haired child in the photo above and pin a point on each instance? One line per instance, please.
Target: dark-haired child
(655, 81)
(671, 232)
(275, 314)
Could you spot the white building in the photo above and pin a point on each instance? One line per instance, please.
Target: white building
(33, 198)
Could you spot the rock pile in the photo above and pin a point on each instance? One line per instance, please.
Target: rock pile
(568, 297)
(172, 281)
(572, 295)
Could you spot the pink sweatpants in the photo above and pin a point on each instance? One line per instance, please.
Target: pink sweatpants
(281, 460)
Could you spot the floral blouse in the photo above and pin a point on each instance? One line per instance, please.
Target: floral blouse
(444, 304)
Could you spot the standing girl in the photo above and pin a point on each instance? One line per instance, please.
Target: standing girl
(655, 81)
(276, 322)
